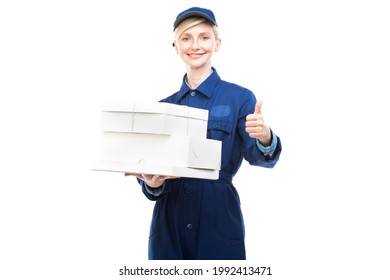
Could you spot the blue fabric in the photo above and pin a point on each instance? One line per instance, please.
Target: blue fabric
(194, 11)
(202, 219)
(269, 150)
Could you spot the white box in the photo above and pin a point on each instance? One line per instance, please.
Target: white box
(142, 168)
(155, 118)
(164, 150)
(157, 138)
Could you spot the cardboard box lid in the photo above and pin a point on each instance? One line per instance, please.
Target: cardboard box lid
(157, 108)
(111, 166)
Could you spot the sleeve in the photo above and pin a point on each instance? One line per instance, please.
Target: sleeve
(255, 153)
(152, 193)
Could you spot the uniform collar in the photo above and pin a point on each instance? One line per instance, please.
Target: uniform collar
(206, 87)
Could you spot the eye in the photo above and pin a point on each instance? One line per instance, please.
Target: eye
(204, 38)
(185, 39)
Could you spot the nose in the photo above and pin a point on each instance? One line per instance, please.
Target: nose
(195, 44)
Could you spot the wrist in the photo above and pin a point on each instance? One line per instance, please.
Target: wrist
(153, 185)
(266, 140)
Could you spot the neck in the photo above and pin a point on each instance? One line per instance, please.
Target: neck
(196, 76)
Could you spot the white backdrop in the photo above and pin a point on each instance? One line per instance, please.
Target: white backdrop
(322, 69)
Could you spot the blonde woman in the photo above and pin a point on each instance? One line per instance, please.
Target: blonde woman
(197, 218)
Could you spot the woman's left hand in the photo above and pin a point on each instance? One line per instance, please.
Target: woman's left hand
(256, 126)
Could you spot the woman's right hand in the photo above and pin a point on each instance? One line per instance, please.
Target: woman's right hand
(153, 181)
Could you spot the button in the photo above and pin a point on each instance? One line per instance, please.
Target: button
(215, 125)
(188, 190)
(189, 226)
(193, 93)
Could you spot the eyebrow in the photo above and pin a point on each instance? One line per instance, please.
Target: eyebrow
(200, 34)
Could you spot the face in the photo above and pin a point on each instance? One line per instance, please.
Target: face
(197, 45)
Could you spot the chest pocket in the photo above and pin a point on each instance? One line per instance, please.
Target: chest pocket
(219, 129)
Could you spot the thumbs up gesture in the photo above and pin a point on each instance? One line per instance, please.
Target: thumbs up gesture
(256, 126)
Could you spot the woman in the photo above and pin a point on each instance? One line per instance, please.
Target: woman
(196, 218)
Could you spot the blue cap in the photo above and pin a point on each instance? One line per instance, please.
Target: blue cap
(194, 11)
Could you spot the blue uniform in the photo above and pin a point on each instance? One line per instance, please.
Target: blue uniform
(202, 219)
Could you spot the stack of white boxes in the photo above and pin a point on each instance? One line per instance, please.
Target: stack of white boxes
(158, 138)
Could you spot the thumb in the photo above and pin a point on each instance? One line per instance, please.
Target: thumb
(258, 106)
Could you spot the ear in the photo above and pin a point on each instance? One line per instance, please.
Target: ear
(217, 45)
(175, 45)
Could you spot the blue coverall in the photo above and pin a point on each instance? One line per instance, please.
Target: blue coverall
(201, 219)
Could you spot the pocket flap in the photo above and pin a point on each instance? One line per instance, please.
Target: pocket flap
(220, 125)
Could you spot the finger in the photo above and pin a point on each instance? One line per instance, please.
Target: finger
(254, 132)
(254, 135)
(254, 117)
(136, 175)
(251, 117)
(170, 177)
(251, 129)
(156, 178)
(147, 177)
(132, 174)
(254, 123)
(250, 124)
(258, 106)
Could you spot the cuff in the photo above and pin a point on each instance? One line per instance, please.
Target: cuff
(154, 191)
(269, 150)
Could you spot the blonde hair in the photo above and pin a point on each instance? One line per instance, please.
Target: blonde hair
(192, 21)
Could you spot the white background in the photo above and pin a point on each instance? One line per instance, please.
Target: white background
(322, 68)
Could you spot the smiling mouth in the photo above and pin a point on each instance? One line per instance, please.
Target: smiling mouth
(195, 55)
